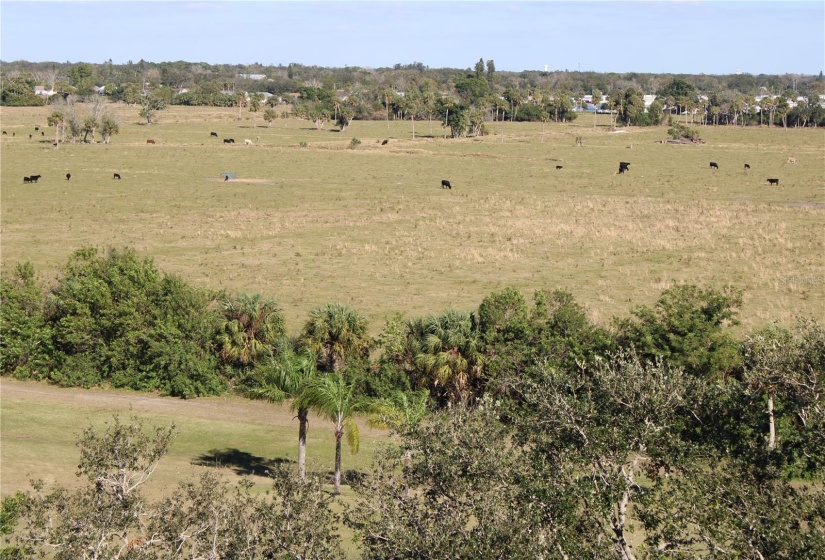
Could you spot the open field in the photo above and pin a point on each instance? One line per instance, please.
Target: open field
(371, 228)
(238, 437)
(41, 423)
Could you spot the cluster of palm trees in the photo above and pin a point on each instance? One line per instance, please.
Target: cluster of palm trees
(308, 370)
(441, 355)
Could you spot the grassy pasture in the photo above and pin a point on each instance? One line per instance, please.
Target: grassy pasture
(41, 423)
(371, 227)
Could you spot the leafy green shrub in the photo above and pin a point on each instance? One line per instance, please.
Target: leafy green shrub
(354, 143)
(686, 327)
(24, 346)
(115, 319)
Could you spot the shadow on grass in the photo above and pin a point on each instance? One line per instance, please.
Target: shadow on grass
(241, 462)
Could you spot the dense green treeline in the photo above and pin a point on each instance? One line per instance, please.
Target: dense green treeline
(112, 318)
(521, 429)
(471, 96)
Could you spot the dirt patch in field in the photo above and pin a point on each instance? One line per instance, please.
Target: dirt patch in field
(241, 180)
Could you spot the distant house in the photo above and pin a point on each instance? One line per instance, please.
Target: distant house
(41, 90)
(252, 76)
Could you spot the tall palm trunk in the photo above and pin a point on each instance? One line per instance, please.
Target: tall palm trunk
(339, 433)
(303, 423)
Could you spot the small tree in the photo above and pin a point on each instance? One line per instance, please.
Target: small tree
(270, 115)
(56, 120)
(90, 124)
(333, 397)
(100, 519)
(108, 127)
(149, 106)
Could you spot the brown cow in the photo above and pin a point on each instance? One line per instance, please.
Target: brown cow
(150, 141)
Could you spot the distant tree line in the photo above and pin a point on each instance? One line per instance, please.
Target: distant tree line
(463, 100)
(522, 429)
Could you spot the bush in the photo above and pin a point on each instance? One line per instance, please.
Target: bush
(24, 346)
(116, 320)
(686, 327)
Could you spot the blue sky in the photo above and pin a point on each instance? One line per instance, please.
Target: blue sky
(697, 37)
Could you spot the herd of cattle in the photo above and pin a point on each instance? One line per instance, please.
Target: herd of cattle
(624, 166)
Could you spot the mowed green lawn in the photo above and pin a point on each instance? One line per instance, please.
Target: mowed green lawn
(371, 227)
(242, 438)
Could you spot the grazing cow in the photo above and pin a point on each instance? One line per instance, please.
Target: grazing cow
(747, 167)
(445, 184)
(714, 165)
(384, 143)
(35, 178)
(5, 133)
(36, 128)
(226, 177)
(68, 176)
(117, 176)
(27, 179)
(773, 182)
(791, 159)
(30, 136)
(558, 167)
(247, 142)
(213, 134)
(150, 141)
(228, 140)
(624, 166)
(42, 133)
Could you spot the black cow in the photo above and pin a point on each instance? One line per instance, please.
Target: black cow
(385, 142)
(30, 136)
(117, 176)
(35, 178)
(27, 179)
(773, 182)
(226, 177)
(624, 166)
(68, 176)
(213, 134)
(558, 167)
(747, 166)
(228, 140)
(714, 165)
(5, 133)
(445, 184)
(36, 128)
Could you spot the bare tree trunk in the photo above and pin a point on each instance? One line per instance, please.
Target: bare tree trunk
(303, 422)
(338, 435)
(771, 423)
(620, 517)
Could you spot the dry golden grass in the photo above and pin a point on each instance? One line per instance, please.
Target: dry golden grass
(371, 227)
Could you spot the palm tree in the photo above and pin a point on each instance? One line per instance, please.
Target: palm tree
(337, 334)
(251, 327)
(287, 376)
(450, 354)
(333, 397)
